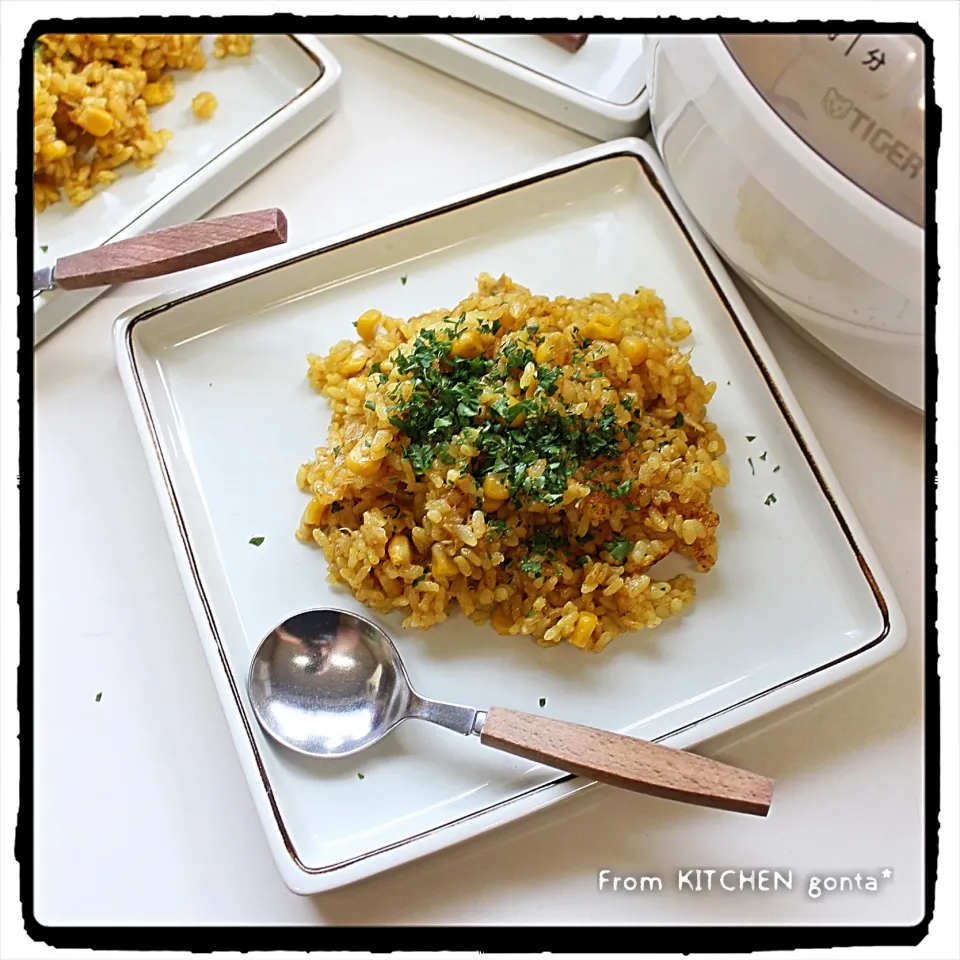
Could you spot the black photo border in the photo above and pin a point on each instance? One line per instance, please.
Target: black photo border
(567, 939)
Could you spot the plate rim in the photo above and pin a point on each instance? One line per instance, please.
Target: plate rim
(627, 106)
(562, 95)
(305, 878)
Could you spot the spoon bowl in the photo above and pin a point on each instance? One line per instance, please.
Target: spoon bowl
(327, 683)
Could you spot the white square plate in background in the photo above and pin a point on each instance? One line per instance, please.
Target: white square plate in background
(600, 90)
(267, 101)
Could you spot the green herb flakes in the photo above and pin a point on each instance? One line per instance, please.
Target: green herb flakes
(96, 699)
(772, 498)
(619, 549)
(750, 439)
(359, 776)
(256, 541)
(403, 280)
(543, 701)
(44, 247)
(678, 420)
(776, 469)
(763, 456)
(752, 468)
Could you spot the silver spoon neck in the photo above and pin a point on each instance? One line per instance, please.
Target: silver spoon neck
(463, 720)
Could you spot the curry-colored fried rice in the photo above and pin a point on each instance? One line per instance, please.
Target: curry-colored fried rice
(529, 458)
(92, 93)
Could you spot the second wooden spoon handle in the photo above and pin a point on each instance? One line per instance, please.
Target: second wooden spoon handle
(171, 250)
(627, 762)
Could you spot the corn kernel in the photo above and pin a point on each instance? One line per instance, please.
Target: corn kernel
(155, 94)
(442, 565)
(313, 514)
(601, 327)
(501, 620)
(555, 350)
(586, 624)
(53, 150)
(367, 324)
(95, 121)
(720, 473)
(468, 345)
(356, 361)
(361, 463)
(204, 105)
(520, 419)
(634, 349)
(494, 487)
(399, 550)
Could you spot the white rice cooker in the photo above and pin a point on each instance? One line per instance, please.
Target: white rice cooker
(802, 159)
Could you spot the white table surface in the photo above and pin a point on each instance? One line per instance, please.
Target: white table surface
(142, 813)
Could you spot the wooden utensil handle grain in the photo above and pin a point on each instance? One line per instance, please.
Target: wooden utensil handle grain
(627, 762)
(570, 42)
(171, 250)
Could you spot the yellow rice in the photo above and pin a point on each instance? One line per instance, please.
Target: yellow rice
(92, 94)
(570, 565)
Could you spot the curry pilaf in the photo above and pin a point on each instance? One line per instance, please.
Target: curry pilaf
(91, 99)
(529, 458)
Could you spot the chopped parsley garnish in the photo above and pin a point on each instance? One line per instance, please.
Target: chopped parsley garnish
(763, 456)
(531, 566)
(622, 490)
(403, 280)
(437, 406)
(776, 468)
(751, 439)
(97, 697)
(44, 247)
(359, 776)
(370, 405)
(543, 701)
(752, 469)
(619, 548)
(419, 579)
(256, 541)
(770, 499)
(336, 507)
(678, 420)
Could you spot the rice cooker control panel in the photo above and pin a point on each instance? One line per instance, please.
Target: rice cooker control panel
(857, 99)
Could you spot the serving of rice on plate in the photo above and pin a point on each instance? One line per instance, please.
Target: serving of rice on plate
(529, 458)
(91, 97)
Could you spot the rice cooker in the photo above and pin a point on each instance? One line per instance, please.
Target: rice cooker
(802, 159)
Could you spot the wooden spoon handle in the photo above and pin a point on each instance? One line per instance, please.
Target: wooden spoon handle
(570, 42)
(172, 250)
(627, 762)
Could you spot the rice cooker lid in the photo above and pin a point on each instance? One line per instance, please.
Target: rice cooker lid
(857, 99)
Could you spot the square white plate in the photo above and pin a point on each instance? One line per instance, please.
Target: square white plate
(217, 384)
(601, 90)
(267, 101)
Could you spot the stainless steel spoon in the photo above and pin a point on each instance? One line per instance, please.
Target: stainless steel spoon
(327, 683)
